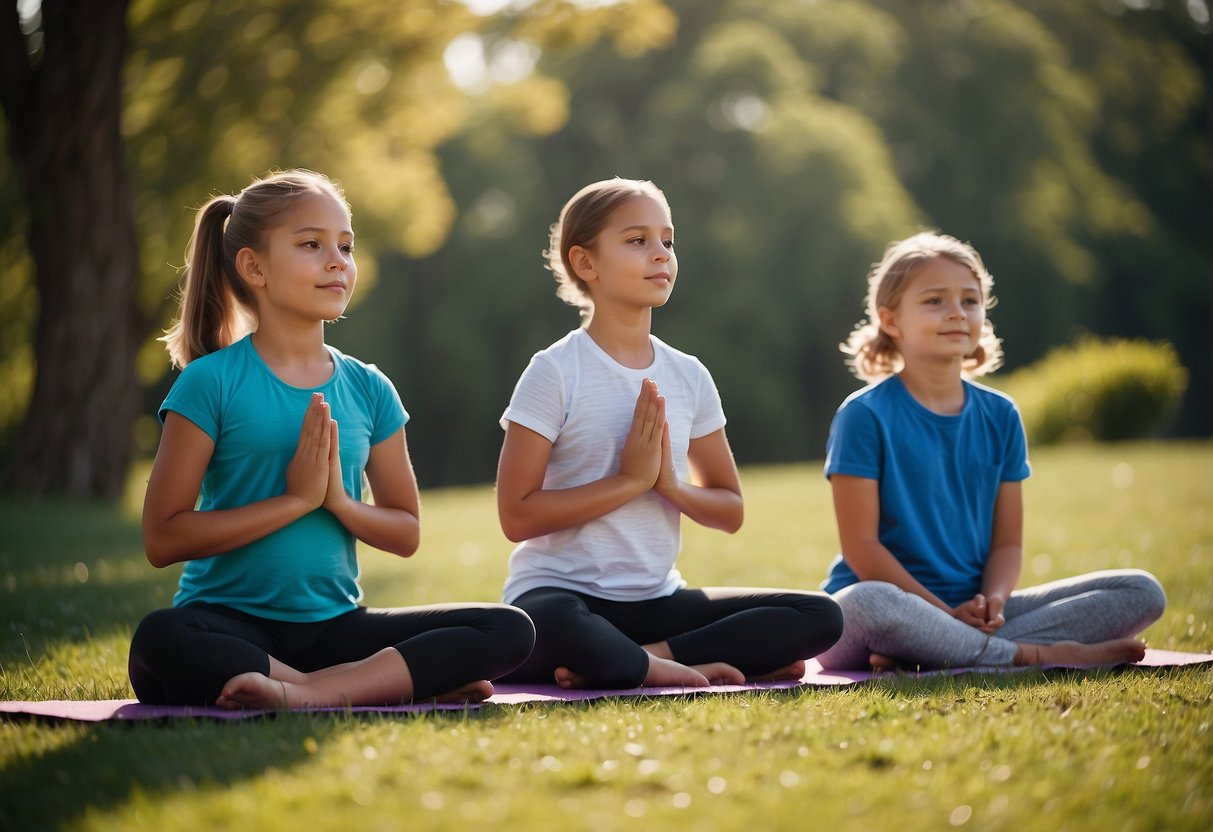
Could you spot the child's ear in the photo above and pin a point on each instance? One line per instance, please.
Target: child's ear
(583, 263)
(248, 264)
(888, 322)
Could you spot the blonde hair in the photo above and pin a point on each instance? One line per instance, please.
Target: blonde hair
(581, 220)
(217, 307)
(873, 354)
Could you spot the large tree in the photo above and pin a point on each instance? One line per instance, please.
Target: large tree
(196, 98)
(61, 89)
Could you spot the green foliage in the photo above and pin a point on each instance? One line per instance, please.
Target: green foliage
(1102, 390)
(983, 752)
(1067, 141)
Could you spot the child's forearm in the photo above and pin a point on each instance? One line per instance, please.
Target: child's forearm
(716, 508)
(389, 529)
(1001, 573)
(546, 511)
(191, 535)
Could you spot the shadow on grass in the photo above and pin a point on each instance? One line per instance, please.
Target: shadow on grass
(71, 573)
(105, 766)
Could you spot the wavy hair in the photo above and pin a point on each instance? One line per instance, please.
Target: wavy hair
(873, 355)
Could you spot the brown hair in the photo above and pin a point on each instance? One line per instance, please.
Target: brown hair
(581, 220)
(873, 354)
(217, 307)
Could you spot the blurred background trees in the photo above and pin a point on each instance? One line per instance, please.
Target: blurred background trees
(1069, 142)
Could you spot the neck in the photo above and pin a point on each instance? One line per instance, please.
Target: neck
(938, 388)
(297, 355)
(624, 336)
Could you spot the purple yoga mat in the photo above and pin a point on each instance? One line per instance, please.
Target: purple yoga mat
(130, 709)
(126, 710)
(814, 676)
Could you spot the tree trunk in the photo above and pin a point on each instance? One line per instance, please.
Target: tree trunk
(63, 109)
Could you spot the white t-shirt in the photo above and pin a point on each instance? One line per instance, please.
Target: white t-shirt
(582, 400)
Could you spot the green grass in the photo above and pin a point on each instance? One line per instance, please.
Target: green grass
(1097, 750)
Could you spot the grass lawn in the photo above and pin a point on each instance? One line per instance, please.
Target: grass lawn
(1097, 750)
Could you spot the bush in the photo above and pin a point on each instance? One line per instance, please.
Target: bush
(1102, 390)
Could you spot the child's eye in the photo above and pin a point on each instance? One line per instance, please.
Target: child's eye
(668, 244)
(348, 248)
(973, 301)
(312, 244)
(637, 241)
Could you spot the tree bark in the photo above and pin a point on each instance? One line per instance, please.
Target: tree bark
(63, 107)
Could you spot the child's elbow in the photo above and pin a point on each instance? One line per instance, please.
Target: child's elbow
(730, 521)
(732, 524)
(514, 530)
(407, 544)
(157, 553)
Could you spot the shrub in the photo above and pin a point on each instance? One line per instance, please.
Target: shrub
(1102, 390)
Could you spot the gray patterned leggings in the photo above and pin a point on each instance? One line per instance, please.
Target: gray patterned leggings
(881, 618)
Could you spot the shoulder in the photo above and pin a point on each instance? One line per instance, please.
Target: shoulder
(557, 360)
(991, 400)
(684, 362)
(351, 364)
(674, 354)
(875, 397)
(215, 366)
(357, 368)
(564, 349)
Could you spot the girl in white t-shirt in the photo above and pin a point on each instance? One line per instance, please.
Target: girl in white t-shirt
(610, 437)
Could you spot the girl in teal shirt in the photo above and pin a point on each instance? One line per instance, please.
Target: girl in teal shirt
(257, 485)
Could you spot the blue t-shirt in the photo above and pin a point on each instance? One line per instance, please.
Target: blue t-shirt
(306, 571)
(939, 477)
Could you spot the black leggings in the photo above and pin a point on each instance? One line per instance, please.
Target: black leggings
(184, 655)
(755, 630)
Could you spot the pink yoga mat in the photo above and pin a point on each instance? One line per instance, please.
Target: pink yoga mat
(131, 709)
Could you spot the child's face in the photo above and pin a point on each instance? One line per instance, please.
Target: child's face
(307, 268)
(632, 261)
(940, 313)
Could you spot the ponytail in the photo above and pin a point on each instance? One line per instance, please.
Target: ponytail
(217, 306)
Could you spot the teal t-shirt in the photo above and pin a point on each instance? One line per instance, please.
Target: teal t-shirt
(306, 571)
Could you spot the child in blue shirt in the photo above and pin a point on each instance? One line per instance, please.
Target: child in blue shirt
(257, 485)
(926, 468)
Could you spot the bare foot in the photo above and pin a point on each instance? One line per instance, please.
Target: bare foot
(570, 678)
(881, 663)
(719, 673)
(256, 690)
(669, 672)
(793, 672)
(1073, 653)
(470, 693)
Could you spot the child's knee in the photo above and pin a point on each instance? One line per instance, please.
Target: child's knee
(876, 606)
(1153, 599)
(517, 633)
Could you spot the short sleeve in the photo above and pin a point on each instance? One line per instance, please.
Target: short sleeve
(709, 412)
(198, 396)
(854, 446)
(1015, 465)
(538, 402)
(388, 411)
